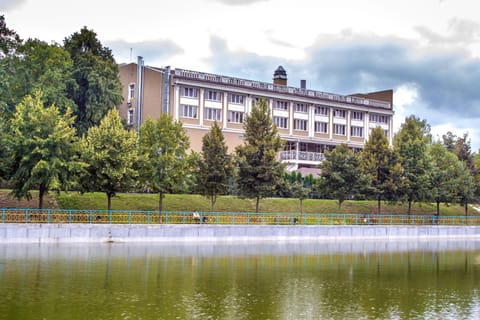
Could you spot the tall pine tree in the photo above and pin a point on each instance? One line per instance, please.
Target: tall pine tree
(259, 171)
(215, 166)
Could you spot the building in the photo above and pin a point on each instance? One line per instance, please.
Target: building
(309, 121)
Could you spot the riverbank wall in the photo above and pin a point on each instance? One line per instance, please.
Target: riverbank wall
(88, 233)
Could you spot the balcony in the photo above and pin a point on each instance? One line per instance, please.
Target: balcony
(301, 156)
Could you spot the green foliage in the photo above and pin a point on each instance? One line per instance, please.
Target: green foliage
(9, 39)
(449, 176)
(258, 168)
(97, 88)
(410, 144)
(215, 166)
(43, 147)
(41, 66)
(380, 167)
(341, 178)
(164, 164)
(111, 154)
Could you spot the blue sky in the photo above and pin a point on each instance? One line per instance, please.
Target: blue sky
(427, 51)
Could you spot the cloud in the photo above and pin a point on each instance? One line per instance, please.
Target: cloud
(442, 82)
(6, 5)
(149, 49)
(460, 32)
(239, 2)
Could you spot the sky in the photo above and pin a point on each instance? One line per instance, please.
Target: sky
(426, 51)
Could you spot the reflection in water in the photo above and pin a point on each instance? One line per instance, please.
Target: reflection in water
(314, 280)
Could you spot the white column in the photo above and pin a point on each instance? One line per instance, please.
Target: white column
(330, 125)
(290, 119)
(311, 121)
(347, 125)
(200, 106)
(176, 104)
(225, 109)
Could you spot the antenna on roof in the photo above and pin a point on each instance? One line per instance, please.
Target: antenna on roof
(131, 54)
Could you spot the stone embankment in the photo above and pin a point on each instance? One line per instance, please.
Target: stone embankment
(78, 233)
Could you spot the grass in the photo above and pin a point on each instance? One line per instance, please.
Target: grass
(180, 202)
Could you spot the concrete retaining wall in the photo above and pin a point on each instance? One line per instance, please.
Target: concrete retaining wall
(62, 233)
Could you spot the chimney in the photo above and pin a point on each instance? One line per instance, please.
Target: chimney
(280, 76)
(303, 84)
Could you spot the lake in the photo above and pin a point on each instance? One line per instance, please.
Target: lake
(287, 280)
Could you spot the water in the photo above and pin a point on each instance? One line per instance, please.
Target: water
(320, 280)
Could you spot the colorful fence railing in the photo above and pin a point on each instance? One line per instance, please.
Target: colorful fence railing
(229, 218)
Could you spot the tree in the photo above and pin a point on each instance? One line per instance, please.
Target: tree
(301, 193)
(215, 166)
(340, 175)
(164, 164)
(446, 174)
(111, 154)
(9, 39)
(410, 144)
(43, 67)
(97, 88)
(380, 166)
(43, 148)
(258, 167)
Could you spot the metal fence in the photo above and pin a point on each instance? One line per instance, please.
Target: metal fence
(227, 218)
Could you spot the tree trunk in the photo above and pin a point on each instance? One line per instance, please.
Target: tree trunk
(379, 205)
(301, 206)
(257, 205)
(109, 197)
(438, 207)
(160, 201)
(41, 193)
(339, 206)
(213, 200)
(409, 207)
(466, 209)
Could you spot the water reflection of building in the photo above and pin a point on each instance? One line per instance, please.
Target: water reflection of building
(309, 121)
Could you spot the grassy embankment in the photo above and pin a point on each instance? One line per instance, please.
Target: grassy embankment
(175, 202)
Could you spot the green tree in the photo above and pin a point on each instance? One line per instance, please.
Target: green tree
(380, 167)
(111, 154)
(9, 39)
(341, 178)
(259, 171)
(42, 66)
(445, 175)
(410, 144)
(215, 166)
(97, 88)
(43, 147)
(300, 192)
(164, 164)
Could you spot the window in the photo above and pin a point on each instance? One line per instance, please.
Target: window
(357, 115)
(280, 105)
(378, 118)
(213, 114)
(131, 92)
(189, 92)
(321, 127)
(356, 131)
(281, 122)
(235, 116)
(339, 129)
(300, 124)
(188, 111)
(213, 95)
(301, 107)
(321, 110)
(130, 116)
(339, 113)
(235, 98)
